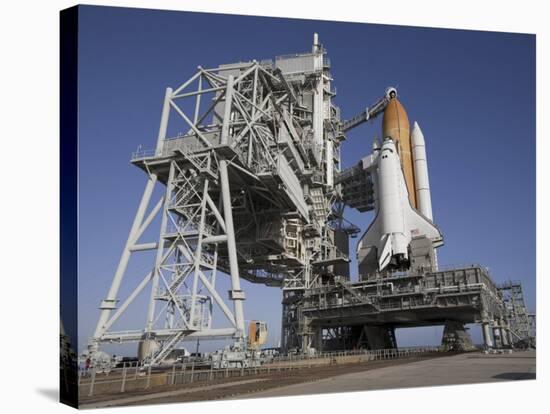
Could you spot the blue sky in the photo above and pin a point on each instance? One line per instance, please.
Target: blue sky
(472, 92)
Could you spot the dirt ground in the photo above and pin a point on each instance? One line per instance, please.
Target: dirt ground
(233, 387)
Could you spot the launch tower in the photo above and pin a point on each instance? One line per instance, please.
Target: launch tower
(253, 189)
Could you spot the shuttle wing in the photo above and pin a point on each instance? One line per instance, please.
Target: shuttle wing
(372, 236)
(421, 226)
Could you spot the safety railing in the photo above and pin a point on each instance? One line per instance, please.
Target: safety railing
(167, 149)
(135, 377)
(375, 354)
(139, 154)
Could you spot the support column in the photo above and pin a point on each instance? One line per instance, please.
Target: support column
(305, 343)
(510, 336)
(235, 294)
(319, 341)
(380, 337)
(109, 303)
(198, 255)
(504, 334)
(224, 138)
(456, 337)
(496, 334)
(487, 340)
(308, 335)
(164, 120)
(160, 251)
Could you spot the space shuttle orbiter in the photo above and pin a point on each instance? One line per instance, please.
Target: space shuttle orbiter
(402, 235)
(397, 222)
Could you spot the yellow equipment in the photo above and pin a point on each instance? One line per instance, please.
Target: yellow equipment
(257, 334)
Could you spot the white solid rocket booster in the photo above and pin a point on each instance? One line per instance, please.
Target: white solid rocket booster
(421, 180)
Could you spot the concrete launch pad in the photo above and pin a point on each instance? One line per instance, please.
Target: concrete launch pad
(422, 371)
(469, 368)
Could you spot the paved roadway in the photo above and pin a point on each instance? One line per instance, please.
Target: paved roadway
(459, 369)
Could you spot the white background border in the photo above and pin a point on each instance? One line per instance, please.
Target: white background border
(29, 99)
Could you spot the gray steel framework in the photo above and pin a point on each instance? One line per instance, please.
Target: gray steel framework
(520, 323)
(248, 192)
(252, 189)
(342, 314)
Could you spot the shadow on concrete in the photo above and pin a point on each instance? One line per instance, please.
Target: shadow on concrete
(512, 376)
(501, 356)
(51, 394)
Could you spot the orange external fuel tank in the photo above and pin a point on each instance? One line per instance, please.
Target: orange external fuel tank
(395, 124)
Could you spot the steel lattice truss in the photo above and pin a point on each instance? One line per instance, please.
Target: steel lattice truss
(248, 192)
(522, 323)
